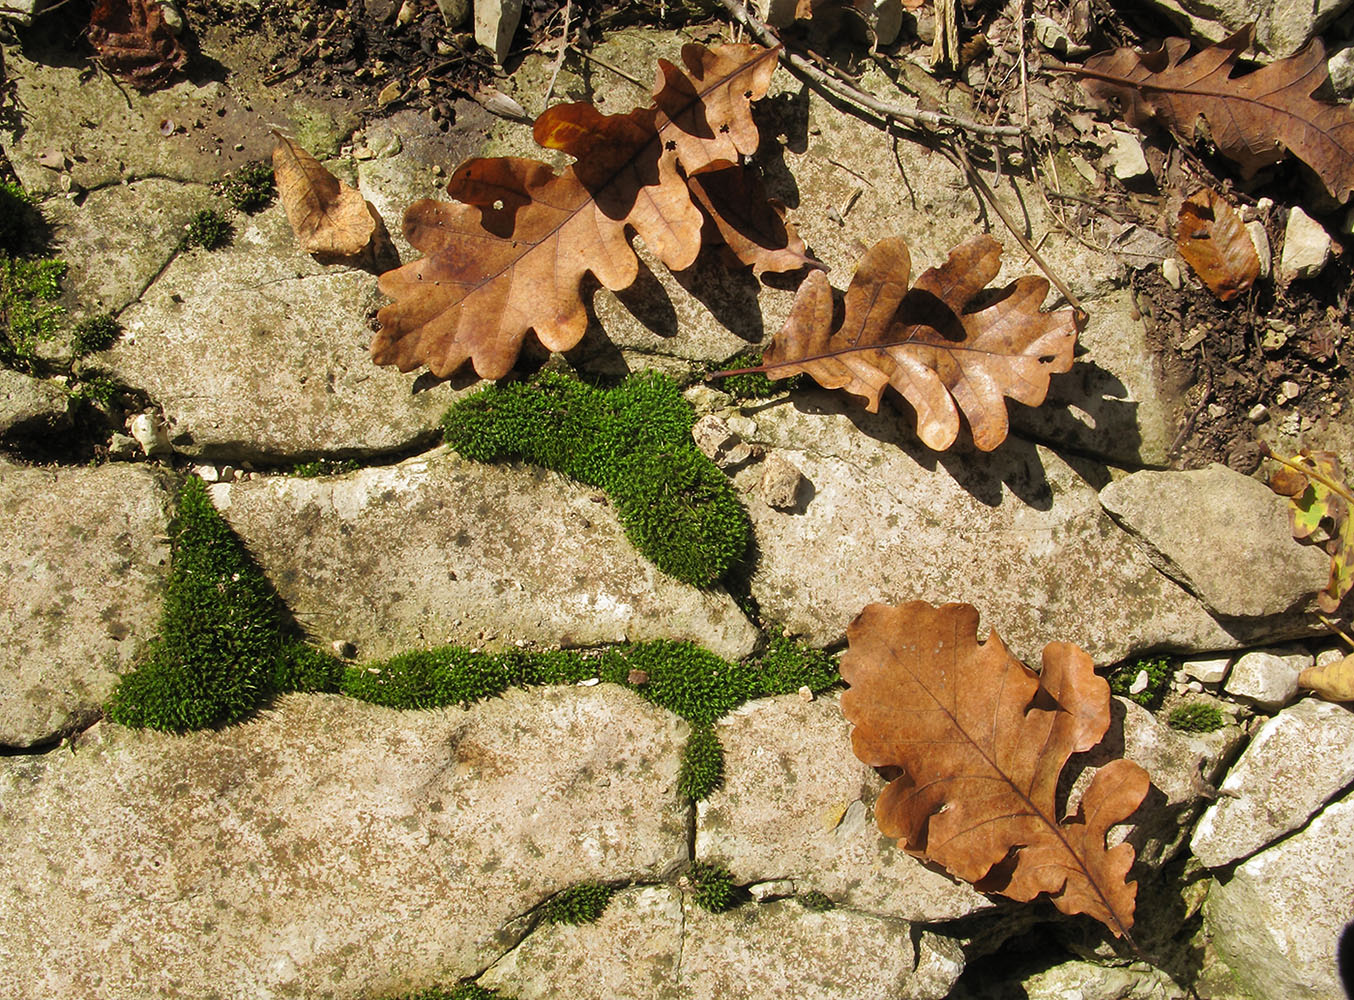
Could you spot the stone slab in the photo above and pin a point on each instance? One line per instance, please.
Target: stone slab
(327, 848)
(439, 549)
(83, 555)
(796, 803)
(1267, 677)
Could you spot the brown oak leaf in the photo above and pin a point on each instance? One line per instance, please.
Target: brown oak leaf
(1213, 240)
(982, 740)
(751, 224)
(511, 256)
(940, 346)
(329, 217)
(132, 40)
(1251, 119)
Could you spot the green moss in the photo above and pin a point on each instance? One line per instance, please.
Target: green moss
(447, 675)
(702, 769)
(301, 667)
(98, 389)
(578, 904)
(29, 314)
(815, 900)
(250, 188)
(95, 333)
(222, 631)
(1195, 717)
(19, 218)
(325, 467)
(1159, 672)
(464, 991)
(754, 385)
(208, 229)
(634, 442)
(712, 887)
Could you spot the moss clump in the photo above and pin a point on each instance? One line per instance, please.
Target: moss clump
(578, 904)
(302, 667)
(95, 333)
(250, 188)
(753, 385)
(1195, 717)
(19, 218)
(815, 900)
(634, 442)
(29, 313)
(325, 467)
(208, 229)
(1159, 671)
(702, 769)
(447, 675)
(221, 632)
(465, 991)
(712, 887)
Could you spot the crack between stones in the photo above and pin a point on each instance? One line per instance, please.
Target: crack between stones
(73, 729)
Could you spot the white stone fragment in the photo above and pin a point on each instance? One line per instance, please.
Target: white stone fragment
(149, 432)
(718, 442)
(1267, 677)
(1127, 159)
(1170, 270)
(764, 892)
(1256, 231)
(1140, 683)
(1210, 670)
(1306, 247)
(207, 473)
(1340, 66)
(495, 23)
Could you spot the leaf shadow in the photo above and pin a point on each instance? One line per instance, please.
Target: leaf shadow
(1087, 411)
(729, 293)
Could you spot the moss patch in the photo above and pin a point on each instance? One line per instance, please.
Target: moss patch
(208, 229)
(29, 313)
(95, 333)
(712, 887)
(1195, 717)
(250, 188)
(634, 442)
(578, 904)
(19, 219)
(465, 991)
(1158, 670)
(815, 900)
(702, 769)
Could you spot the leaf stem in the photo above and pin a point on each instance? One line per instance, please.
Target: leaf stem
(1311, 472)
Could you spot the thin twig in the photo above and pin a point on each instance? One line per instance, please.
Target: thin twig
(563, 48)
(1024, 73)
(1311, 472)
(805, 69)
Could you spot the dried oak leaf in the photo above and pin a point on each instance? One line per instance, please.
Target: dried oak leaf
(329, 217)
(132, 40)
(1321, 513)
(1331, 681)
(1251, 119)
(1213, 240)
(751, 224)
(512, 255)
(941, 346)
(981, 741)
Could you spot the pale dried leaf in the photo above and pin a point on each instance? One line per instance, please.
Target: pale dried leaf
(328, 216)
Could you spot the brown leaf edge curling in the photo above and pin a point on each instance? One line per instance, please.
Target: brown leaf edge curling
(982, 741)
(131, 39)
(329, 218)
(1213, 240)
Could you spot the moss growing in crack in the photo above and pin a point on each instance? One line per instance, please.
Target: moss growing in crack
(1195, 717)
(208, 229)
(815, 900)
(754, 385)
(462, 991)
(250, 188)
(578, 904)
(223, 631)
(301, 667)
(1158, 669)
(325, 467)
(789, 664)
(702, 769)
(19, 219)
(634, 442)
(95, 333)
(712, 887)
(29, 313)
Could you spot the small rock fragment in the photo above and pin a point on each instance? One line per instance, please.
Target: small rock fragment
(407, 13)
(122, 448)
(1289, 390)
(1140, 683)
(1256, 231)
(1127, 159)
(780, 483)
(764, 892)
(1210, 670)
(389, 94)
(1340, 66)
(718, 442)
(207, 473)
(150, 434)
(1258, 413)
(1306, 247)
(454, 12)
(805, 693)
(495, 23)
(1051, 35)
(1269, 678)
(637, 677)
(1170, 270)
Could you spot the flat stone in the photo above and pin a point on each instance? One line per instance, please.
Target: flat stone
(1127, 159)
(440, 549)
(1306, 247)
(31, 408)
(256, 352)
(1208, 669)
(796, 803)
(1340, 66)
(1281, 26)
(782, 483)
(1186, 522)
(495, 23)
(1296, 762)
(1269, 678)
(1277, 920)
(325, 841)
(82, 560)
(1017, 533)
(1090, 981)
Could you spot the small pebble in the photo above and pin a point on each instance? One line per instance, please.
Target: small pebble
(637, 677)
(1170, 270)
(1289, 390)
(806, 693)
(590, 682)
(1140, 683)
(1258, 413)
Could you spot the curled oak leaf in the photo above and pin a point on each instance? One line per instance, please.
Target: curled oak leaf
(1251, 119)
(132, 40)
(1213, 240)
(1331, 681)
(1319, 512)
(981, 741)
(749, 223)
(512, 255)
(329, 217)
(939, 351)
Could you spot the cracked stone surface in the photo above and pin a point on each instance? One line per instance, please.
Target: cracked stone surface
(83, 553)
(796, 803)
(326, 847)
(452, 551)
(1020, 535)
(652, 943)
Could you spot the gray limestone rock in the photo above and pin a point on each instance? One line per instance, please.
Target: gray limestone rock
(1017, 533)
(796, 803)
(31, 408)
(1277, 920)
(1306, 247)
(325, 842)
(439, 549)
(20, 12)
(782, 483)
(82, 558)
(1222, 535)
(1089, 981)
(1267, 677)
(1282, 26)
(256, 352)
(495, 23)
(1299, 759)
(1207, 669)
